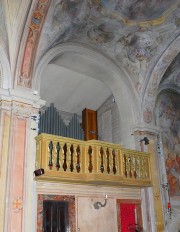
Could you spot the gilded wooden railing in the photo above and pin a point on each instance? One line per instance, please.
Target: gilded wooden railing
(90, 162)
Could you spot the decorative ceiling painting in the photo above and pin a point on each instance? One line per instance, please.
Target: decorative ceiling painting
(132, 33)
(134, 10)
(138, 37)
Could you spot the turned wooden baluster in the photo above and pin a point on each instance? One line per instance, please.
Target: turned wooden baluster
(65, 157)
(108, 167)
(125, 166)
(71, 163)
(50, 155)
(78, 168)
(102, 154)
(135, 173)
(114, 161)
(57, 159)
(90, 168)
(130, 163)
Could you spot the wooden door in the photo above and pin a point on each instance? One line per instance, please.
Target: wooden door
(55, 216)
(89, 124)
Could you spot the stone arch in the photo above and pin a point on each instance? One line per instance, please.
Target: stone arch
(154, 79)
(118, 82)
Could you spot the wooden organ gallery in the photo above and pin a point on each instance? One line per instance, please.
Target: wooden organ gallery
(79, 176)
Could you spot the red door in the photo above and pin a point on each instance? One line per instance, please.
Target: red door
(128, 216)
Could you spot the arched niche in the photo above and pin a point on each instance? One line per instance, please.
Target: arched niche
(167, 119)
(108, 73)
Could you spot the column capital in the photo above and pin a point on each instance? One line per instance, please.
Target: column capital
(145, 129)
(20, 100)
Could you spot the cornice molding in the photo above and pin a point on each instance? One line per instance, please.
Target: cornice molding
(56, 188)
(22, 96)
(144, 129)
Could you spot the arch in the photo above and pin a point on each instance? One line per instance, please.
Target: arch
(118, 82)
(154, 79)
(169, 87)
(5, 67)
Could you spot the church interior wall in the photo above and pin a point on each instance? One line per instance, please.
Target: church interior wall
(83, 215)
(131, 49)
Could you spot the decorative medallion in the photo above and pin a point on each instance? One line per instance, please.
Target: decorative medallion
(17, 204)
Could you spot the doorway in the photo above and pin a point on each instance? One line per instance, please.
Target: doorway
(55, 216)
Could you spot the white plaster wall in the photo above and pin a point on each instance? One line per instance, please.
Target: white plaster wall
(93, 220)
(109, 106)
(89, 219)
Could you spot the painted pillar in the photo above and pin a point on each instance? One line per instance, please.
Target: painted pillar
(156, 200)
(4, 148)
(17, 163)
(16, 169)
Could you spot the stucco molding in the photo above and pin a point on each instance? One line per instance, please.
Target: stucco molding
(14, 100)
(144, 129)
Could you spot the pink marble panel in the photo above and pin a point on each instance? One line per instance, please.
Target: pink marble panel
(16, 165)
(71, 209)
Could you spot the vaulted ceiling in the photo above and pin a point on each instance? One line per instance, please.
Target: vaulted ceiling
(132, 34)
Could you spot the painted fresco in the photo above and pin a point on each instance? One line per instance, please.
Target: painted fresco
(168, 119)
(137, 9)
(37, 20)
(130, 32)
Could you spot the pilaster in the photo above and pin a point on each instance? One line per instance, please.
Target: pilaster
(155, 199)
(16, 158)
(4, 137)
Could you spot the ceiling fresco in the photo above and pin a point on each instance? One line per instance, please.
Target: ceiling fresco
(132, 33)
(141, 37)
(134, 10)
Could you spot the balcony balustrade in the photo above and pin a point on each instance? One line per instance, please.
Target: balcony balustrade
(90, 162)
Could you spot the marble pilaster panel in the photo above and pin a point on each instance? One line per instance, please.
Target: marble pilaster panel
(4, 135)
(16, 166)
(15, 134)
